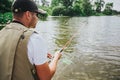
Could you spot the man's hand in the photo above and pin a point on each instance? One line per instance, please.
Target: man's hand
(49, 56)
(57, 55)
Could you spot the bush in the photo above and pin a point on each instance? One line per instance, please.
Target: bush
(58, 11)
(5, 6)
(5, 17)
(99, 14)
(77, 10)
(107, 12)
(47, 9)
(1, 18)
(71, 12)
(1, 26)
(42, 17)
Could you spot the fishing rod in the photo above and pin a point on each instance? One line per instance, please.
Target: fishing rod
(67, 43)
(65, 46)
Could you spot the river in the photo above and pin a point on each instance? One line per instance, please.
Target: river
(94, 53)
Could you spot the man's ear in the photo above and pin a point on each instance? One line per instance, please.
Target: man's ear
(28, 15)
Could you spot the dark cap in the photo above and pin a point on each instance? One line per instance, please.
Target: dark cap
(26, 5)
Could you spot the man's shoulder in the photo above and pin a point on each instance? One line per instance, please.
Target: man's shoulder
(36, 35)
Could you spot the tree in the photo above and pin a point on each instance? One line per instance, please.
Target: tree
(45, 3)
(67, 3)
(99, 4)
(86, 8)
(74, 8)
(58, 11)
(108, 9)
(77, 8)
(55, 3)
(82, 7)
(5, 6)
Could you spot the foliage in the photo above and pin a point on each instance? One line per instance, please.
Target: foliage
(86, 8)
(47, 9)
(5, 18)
(77, 8)
(63, 8)
(114, 12)
(108, 9)
(81, 8)
(55, 3)
(73, 8)
(5, 6)
(42, 16)
(99, 14)
(1, 26)
(67, 3)
(99, 4)
(69, 12)
(62, 11)
(58, 11)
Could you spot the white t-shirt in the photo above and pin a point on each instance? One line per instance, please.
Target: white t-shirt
(37, 49)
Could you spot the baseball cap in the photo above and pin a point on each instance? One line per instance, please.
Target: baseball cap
(26, 5)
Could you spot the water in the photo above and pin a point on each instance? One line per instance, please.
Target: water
(94, 53)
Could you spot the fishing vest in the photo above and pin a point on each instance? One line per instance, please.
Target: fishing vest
(14, 62)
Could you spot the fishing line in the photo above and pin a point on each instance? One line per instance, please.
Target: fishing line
(65, 46)
(68, 42)
(66, 60)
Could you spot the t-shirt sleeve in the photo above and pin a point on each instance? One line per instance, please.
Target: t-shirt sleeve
(37, 49)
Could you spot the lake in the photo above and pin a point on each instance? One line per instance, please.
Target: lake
(94, 52)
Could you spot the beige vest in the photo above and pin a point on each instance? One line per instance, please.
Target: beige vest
(14, 63)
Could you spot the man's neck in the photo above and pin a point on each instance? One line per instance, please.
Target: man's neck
(15, 21)
(21, 22)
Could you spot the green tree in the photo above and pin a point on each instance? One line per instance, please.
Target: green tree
(45, 3)
(55, 3)
(77, 8)
(5, 14)
(62, 7)
(73, 8)
(58, 11)
(99, 4)
(108, 9)
(67, 3)
(86, 8)
(5, 6)
(82, 7)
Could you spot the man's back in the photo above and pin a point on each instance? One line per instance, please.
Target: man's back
(13, 53)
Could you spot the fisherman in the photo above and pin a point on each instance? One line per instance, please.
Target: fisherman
(23, 52)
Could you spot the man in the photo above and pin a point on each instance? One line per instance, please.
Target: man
(23, 53)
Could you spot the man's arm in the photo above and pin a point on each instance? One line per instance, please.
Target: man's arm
(46, 70)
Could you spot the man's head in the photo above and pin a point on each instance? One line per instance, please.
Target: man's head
(26, 11)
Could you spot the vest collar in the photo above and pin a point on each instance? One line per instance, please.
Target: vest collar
(14, 21)
(19, 26)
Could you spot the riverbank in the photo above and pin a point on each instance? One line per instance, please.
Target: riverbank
(1, 26)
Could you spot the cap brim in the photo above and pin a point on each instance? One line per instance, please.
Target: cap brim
(41, 11)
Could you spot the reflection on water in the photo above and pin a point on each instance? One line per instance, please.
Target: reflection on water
(94, 53)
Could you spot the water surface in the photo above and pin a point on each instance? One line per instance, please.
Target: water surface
(94, 53)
